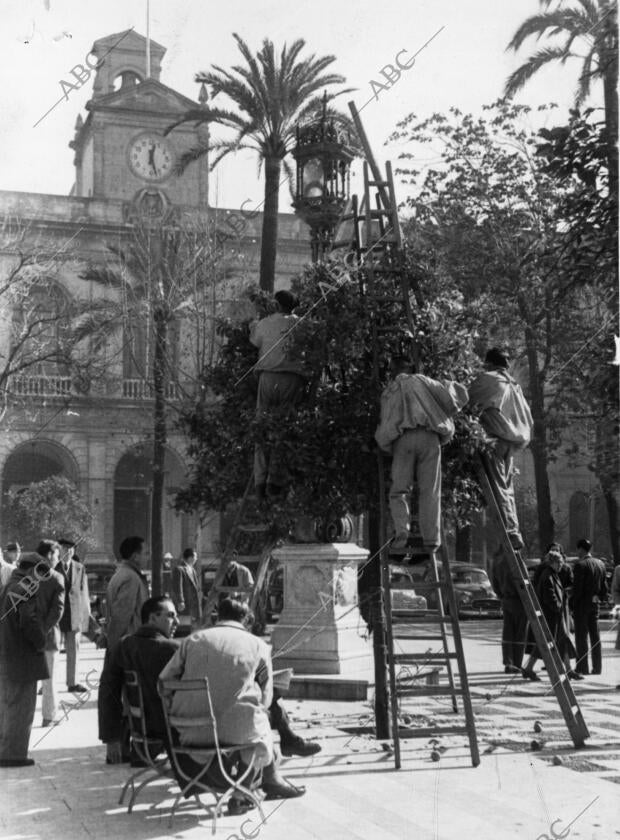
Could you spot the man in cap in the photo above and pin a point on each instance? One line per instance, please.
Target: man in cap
(506, 417)
(76, 618)
(416, 420)
(281, 385)
(589, 591)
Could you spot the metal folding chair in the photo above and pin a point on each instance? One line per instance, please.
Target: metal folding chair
(146, 748)
(202, 756)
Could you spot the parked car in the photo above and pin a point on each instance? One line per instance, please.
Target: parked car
(474, 594)
(402, 591)
(98, 575)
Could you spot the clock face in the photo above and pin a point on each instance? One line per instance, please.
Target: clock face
(150, 157)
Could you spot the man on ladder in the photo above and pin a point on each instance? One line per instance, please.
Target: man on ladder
(416, 420)
(506, 417)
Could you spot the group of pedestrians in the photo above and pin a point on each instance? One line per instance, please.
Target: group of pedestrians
(568, 597)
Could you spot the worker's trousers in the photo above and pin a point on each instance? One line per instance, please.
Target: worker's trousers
(500, 462)
(416, 455)
(279, 394)
(49, 705)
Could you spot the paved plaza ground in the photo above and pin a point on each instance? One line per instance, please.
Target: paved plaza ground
(353, 790)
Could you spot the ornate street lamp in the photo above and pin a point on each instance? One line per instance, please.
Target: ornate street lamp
(323, 155)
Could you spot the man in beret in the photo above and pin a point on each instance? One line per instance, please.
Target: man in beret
(281, 386)
(506, 417)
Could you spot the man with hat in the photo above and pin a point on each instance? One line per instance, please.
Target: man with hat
(281, 385)
(76, 618)
(506, 417)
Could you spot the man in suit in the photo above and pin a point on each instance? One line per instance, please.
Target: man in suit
(29, 610)
(589, 589)
(146, 652)
(76, 618)
(186, 589)
(49, 550)
(127, 590)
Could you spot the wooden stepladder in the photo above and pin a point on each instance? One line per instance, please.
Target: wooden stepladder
(545, 642)
(371, 229)
(240, 533)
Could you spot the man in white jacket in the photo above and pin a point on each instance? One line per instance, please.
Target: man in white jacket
(416, 420)
(506, 417)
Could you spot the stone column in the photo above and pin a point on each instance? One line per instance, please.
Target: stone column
(320, 629)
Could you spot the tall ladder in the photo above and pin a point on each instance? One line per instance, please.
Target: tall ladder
(545, 642)
(374, 233)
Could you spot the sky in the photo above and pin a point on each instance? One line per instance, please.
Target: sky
(464, 65)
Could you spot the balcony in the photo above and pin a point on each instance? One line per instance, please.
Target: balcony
(141, 389)
(40, 386)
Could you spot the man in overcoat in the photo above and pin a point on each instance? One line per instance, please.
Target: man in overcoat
(30, 609)
(127, 590)
(589, 590)
(187, 590)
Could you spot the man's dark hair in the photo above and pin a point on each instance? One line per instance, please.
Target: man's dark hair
(497, 357)
(130, 546)
(286, 300)
(585, 544)
(45, 546)
(403, 364)
(13, 546)
(230, 609)
(189, 552)
(152, 606)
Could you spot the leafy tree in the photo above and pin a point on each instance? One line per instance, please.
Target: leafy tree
(590, 22)
(329, 445)
(575, 155)
(493, 215)
(52, 508)
(273, 94)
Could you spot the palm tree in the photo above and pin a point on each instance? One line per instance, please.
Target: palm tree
(273, 93)
(594, 22)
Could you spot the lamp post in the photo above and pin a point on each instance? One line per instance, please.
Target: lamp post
(323, 156)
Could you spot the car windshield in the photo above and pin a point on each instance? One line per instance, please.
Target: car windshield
(475, 576)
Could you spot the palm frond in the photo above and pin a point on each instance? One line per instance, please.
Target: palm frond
(561, 20)
(533, 64)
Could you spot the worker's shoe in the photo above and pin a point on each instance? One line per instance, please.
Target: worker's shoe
(400, 541)
(237, 807)
(574, 675)
(47, 722)
(512, 669)
(299, 746)
(77, 689)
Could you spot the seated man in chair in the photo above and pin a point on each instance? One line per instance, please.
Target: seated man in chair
(238, 667)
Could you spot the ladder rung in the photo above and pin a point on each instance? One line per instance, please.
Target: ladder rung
(424, 638)
(429, 691)
(423, 657)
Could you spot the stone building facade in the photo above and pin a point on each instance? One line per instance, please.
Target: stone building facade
(99, 433)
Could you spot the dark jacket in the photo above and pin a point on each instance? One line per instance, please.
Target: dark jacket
(502, 581)
(146, 652)
(30, 609)
(550, 593)
(186, 590)
(589, 583)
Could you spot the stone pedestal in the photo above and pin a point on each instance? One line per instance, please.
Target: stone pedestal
(320, 629)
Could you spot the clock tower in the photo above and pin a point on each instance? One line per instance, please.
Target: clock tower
(120, 149)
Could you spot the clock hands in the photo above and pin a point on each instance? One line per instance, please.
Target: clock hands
(152, 159)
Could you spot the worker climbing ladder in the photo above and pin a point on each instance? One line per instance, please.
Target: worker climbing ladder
(545, 642)
(371, 229)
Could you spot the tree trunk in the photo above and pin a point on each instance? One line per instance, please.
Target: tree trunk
(159, 451)
(610, 92)
(372, 591)
(538, 446)
(269, 239)
(612, 515)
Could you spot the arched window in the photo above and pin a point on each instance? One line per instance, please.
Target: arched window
(126, 79)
